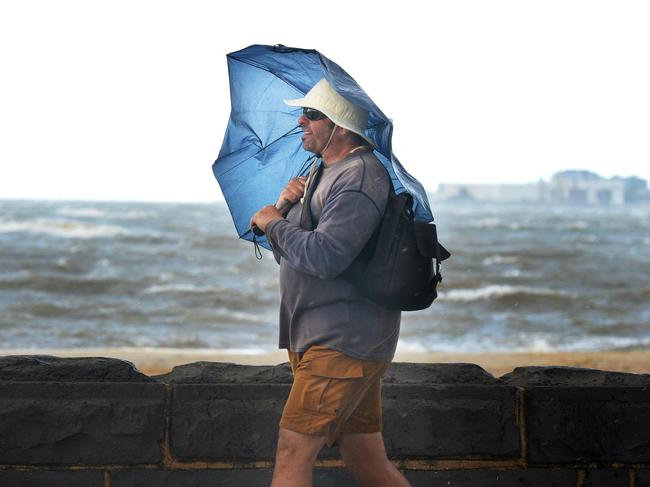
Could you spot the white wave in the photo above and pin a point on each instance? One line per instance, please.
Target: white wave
(196, 351)
(246, 351)
(500, 259)
(494, 291)
(537, 344)
(131, 215)
(519, 343)
(411, 346)
(91, 212)
(128, 353)
(488, 222)
(17, 276)
(62, 228)
(241, 315)
(441, 344)
(592, 343)
(604, 342)
(82, 212)
(182, 288)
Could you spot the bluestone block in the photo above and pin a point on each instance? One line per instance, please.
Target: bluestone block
(450, 421)
(81, 423)
(588, 424)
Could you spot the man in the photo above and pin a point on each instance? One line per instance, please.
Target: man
(339, 343)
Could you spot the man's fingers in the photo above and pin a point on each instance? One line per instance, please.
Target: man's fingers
(298, 185)
(284, 205)
(294, 190)
(292, 196)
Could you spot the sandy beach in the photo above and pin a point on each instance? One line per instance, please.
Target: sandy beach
(153, 361)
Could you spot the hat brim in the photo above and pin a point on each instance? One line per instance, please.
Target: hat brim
(302, 102)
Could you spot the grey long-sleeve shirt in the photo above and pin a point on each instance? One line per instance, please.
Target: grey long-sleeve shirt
(317, 305)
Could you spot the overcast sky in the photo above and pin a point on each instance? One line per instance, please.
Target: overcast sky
(128, 100)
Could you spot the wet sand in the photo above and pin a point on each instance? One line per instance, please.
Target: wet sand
(153, 361)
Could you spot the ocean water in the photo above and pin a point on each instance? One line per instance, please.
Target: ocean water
(521, 278)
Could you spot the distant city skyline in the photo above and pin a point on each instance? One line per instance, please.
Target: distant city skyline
(579, 187)
(130, 100)
(534, 180)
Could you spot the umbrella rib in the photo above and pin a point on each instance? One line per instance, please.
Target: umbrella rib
(262, 149)
(305, 165)
(284, 135)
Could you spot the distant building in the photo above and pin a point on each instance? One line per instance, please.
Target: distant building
(636, 190)
(502, 193)
(587, 188)
(565, 187)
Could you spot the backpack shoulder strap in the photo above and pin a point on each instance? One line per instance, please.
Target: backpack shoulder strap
(306, 218)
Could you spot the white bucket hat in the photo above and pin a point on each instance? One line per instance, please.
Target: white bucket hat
(325, 99)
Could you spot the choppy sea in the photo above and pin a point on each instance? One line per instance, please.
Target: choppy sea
(168, 275)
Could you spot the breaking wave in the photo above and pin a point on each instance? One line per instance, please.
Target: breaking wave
(524, 343)
(91, 212)
(63, 228)
(82, 212)
(183, 288)
(498, 292)
(500, 259)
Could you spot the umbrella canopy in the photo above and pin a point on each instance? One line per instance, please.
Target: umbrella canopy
(262, 148)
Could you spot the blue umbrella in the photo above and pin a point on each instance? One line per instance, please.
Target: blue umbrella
(262, 148)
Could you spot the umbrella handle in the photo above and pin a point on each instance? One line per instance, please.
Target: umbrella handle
(283, 207)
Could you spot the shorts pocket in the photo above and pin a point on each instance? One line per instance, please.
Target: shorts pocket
(329, 385)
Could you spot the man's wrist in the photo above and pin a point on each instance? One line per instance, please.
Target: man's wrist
(271, 223)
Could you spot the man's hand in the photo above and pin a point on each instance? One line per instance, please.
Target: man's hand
(265, 216)
(292, 192)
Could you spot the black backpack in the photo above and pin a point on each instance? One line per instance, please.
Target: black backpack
(399, 268)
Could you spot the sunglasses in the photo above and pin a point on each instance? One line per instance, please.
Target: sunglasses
(313, 115)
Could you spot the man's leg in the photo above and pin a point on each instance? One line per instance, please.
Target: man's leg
(365, 455)
(295, 457)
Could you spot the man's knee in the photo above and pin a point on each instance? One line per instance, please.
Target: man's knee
(363, 450)
(298, 446)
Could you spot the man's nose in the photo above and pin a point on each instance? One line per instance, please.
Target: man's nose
(302, 120)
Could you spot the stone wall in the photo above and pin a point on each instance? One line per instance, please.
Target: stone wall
(98, 422)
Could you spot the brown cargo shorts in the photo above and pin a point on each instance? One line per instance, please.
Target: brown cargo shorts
(333, 394)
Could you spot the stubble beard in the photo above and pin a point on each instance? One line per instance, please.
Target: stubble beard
(308, 146)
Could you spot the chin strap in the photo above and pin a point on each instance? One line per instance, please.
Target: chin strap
(312, 169)
(328, 141)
